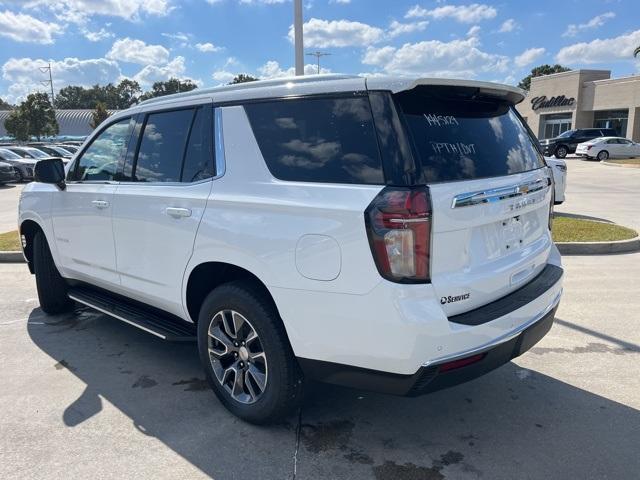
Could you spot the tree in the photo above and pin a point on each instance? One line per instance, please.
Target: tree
(41, 115)
(99, 115)
(116, 97)
(168, 87)
(127, 93)
(540, 71)
(5, 105)
(17, 125)
(243, 78)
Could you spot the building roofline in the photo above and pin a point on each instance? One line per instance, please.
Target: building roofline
(570, 72)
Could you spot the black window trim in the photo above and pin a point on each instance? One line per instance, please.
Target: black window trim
(73, 170)
(141, 121)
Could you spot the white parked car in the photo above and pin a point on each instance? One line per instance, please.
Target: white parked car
(608, 147)
(559, 170)
(388, 234)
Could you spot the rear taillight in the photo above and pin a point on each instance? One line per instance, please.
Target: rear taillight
(399, 228)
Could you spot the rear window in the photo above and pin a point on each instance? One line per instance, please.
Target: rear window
(459, 136)
(330, 140)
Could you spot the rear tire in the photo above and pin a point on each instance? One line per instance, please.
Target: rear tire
(602, 155)
(269, 361)
(52, 289)
(561, 151)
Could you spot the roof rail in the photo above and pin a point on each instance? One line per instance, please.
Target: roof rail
(248, 86)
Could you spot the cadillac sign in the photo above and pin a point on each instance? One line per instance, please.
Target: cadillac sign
(559, 101)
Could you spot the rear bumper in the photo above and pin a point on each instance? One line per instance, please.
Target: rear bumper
(8, 176)
(437, 376)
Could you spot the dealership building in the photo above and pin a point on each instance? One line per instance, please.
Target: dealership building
(583, 99)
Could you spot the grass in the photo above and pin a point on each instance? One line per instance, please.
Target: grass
(625, 161)
(9, 242)
(566, 229)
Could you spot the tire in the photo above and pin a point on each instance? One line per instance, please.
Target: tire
(52, 289)
(242, 303)
(20, 178)
(602, 155)
(561, 151)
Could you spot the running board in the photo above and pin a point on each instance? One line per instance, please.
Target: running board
(167, 327)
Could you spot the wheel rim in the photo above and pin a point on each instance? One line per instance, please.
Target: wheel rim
(602, 155)
(562, 152)
(237, 356)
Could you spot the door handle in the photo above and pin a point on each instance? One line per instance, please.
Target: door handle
(177, 212)
(100, 203)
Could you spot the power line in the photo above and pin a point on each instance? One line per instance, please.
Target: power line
(318, 54)
(48, 82)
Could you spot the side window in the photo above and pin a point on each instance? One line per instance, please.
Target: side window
(612, 141)
(99, 162)
(329, 140)
(198, 160)
(162, 146)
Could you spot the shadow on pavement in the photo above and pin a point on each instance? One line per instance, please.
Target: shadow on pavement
(512, 423)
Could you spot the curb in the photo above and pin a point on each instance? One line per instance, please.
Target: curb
(611, 164)
(599, 248)
(11, 257)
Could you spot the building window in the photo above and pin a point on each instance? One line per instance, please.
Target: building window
(616, 119)
(554, 124)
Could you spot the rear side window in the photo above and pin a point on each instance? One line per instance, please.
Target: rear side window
(164, 138)
(330, 140)
(198, 160)
(458, 135)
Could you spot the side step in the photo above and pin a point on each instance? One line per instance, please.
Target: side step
(167, 327)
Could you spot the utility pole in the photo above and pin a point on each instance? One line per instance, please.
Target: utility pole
(318, 54)
(48, 82)
(298, 42)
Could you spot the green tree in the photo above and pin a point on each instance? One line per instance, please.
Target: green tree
(127, 93)
(17, 125)
(168, 87)
(540, 71)
(116, 97)
(243, 78)
(99, 115)
(5, 105)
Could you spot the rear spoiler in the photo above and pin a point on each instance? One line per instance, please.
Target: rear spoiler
(512, 94)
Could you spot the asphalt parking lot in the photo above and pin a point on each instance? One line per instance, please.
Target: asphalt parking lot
(86, 396)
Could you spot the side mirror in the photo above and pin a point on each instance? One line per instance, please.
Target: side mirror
(51, 171)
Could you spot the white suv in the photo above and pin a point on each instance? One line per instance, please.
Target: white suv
(381, 233)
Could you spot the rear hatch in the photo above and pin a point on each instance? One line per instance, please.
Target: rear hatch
(490, 192)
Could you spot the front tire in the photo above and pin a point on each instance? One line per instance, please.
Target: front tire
(52, 289)
(561, 151)
(602, 155)
(246, 354)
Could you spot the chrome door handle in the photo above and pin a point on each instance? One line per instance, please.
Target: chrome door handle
(100, 203)
(177, 212)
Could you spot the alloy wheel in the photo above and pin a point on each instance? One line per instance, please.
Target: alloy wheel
(237, 357)
(603, 155)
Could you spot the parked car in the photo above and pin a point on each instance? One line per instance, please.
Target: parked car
(70, 148)
(23, 166)
(7, 173)
(388, 234)
(559, 170)
(608, 147)
(566, 142)
(54, 151)
(30, 152)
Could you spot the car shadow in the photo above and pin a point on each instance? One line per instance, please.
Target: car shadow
(512, 423)
(7, 186)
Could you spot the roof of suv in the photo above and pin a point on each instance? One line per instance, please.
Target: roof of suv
(318, 84)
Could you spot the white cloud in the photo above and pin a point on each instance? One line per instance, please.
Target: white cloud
(508, 25)
(396, 28)
(528, 56)
(597, 21)
(474, 31)
(472, 13)
(223, 76)
(251, 2)
(342, 2)
(25, 28)
(458, 58)
(600, 50)
(101, 34)
(272, 69)
(79, 11)
(338, 33)
(208, 47)
(154, 73)
(136, 51)
(25, 78)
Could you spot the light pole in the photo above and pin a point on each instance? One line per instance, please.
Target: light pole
(318, 54)
(297, 30)
(48, 82)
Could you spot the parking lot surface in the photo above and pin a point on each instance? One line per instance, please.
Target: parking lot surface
(85, 396)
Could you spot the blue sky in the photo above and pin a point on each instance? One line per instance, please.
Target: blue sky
(101, 41)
